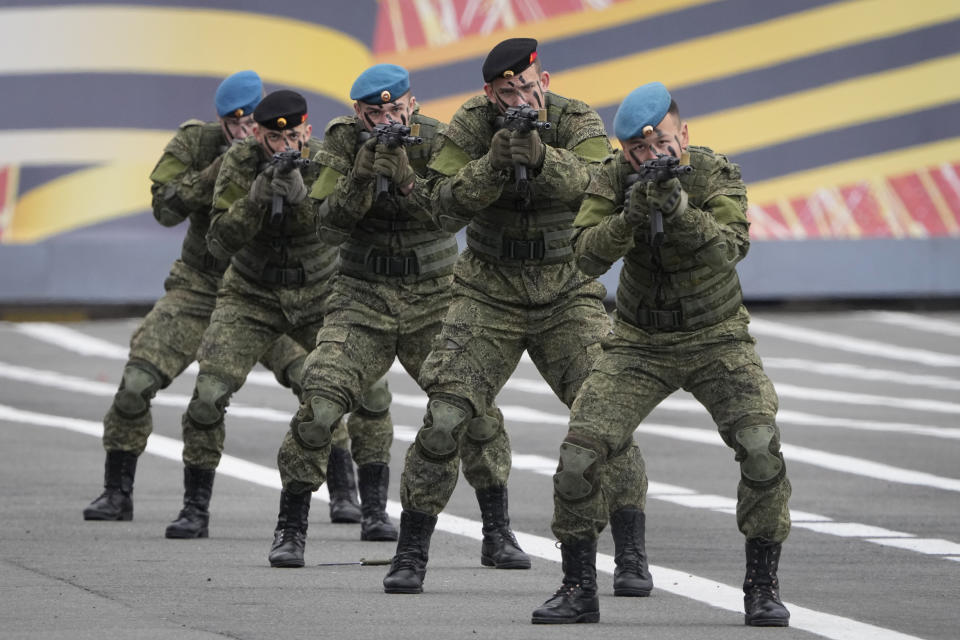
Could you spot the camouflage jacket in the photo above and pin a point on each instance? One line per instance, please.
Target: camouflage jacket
(280, 251)
(183, 187)
(380, 239)
(690, 280)
(501, 227)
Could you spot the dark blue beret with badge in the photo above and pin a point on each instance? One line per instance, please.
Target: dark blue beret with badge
(643, 107)
(380, 84)
(280, 110)
(509, 58)
(238, 95)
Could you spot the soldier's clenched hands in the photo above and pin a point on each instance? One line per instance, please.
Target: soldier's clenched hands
(290, 186)
(636, 209)
(393, 163)
(363, 163)
(527, 148)
(499, 154)
(669, 197)
(261, 191)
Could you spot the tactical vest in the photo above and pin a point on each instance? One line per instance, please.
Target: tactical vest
(507, 232)
(287, 252)
(208, 145)
(388, 242)
(666, 289)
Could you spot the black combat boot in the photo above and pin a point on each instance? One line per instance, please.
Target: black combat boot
(409, 566)
(195, 515)
(576, 599)
(290, 536)
(500, 548)
(342, 485)
(116, 501)
(631, 577)
(374, 480)
(762, 600)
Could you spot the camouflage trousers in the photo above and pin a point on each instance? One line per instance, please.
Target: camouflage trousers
(477, 351)
(720, 367)
(166, 343)
(368, 325)
(246, 321)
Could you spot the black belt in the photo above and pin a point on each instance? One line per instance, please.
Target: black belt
(524, 249)
(659, 318)
(394, 265)
(282, 276)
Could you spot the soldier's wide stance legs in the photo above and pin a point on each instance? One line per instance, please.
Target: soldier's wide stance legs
(160, 349)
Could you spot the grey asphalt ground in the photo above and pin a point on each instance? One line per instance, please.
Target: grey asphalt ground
(869, 414)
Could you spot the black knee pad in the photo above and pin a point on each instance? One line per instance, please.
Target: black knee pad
(211, 395)
(438, 439)
(140, 383)
(577, 477)
(315, 421)
(757, 447)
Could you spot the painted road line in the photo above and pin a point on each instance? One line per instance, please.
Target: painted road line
(760, 327)
(834, 462)
(679, 583)
(859, 372)
(915, 321)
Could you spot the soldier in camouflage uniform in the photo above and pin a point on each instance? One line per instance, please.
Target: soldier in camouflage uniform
(276, 284)
(680, 323)
(516, 288)
(388, 301)
(167, 339)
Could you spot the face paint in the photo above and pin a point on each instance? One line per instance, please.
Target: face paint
(536, 95)
(369, 121)
(403, 119)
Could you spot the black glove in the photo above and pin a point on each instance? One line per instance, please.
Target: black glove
(527, 148)
(499, 154)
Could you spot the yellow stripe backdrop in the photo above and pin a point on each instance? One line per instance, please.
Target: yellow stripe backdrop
(180, 41)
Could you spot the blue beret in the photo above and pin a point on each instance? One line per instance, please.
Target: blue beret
(380, 84)
(645, 106)
(239, 94)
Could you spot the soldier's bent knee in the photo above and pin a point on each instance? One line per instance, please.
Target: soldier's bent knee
(210, 399)
(314, 424)
(577, 474)
(140, 383)
(483, 428)
(376, 401)
(437, 440)
(758, 451)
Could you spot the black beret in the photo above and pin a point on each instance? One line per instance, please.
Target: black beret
(509, 58)
(283, 109)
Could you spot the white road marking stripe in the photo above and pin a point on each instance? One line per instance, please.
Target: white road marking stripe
(858, 372)
(915, 321)
(835, 462)
(679, 583)
(87, 345)
(931, 546)
(759, 327)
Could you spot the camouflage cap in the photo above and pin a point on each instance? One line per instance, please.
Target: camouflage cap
(509, 58)
(643, 107)
(283, 109)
